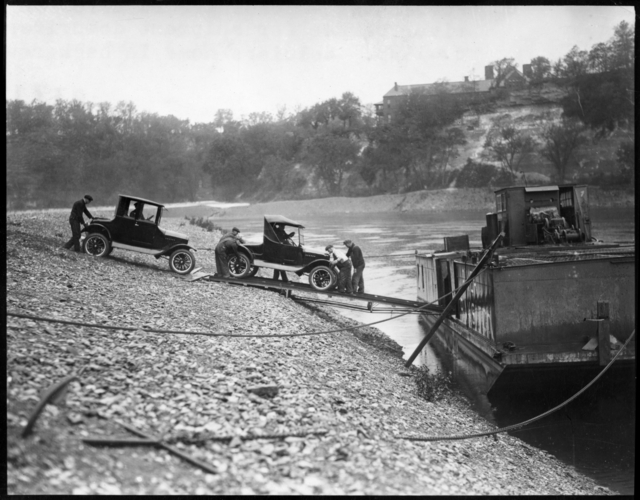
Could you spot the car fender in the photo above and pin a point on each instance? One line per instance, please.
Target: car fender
(96, 228)
(243, 249)
(170, 250)
(309, 267)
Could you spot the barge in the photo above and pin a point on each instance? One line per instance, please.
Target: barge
(551, 297)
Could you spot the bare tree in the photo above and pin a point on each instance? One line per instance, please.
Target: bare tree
(560, 141)
(509, 147)
(502, 68)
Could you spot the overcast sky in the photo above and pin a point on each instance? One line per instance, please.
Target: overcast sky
(189, 61)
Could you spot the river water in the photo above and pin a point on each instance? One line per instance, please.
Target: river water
(595, 433)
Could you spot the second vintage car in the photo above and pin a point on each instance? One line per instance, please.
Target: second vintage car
(283, 248)
(132, 229)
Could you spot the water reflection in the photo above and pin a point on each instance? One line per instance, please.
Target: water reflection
(596, 433)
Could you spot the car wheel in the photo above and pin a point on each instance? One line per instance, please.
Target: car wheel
(239, 268)
(182, 261)
(253, 272)
(97, 245)
(321, 278)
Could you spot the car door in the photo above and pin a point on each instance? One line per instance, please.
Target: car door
(137, 233)
(143, 233)
(280, 253)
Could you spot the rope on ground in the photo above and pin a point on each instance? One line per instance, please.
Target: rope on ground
(214, 334)
(526, 422)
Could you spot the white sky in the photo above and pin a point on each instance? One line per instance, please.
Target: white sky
(189, 61)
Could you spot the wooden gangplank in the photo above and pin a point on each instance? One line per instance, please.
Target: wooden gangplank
(276, 285)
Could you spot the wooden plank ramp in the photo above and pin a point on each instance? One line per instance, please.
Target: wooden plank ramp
(276, 285)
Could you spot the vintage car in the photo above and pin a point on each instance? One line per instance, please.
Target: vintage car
(284, 249)
(132, 229)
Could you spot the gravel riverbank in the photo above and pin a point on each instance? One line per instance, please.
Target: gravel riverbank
(345, 395)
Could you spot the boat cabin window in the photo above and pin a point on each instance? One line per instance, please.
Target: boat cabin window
(566, 199)
(501, 202)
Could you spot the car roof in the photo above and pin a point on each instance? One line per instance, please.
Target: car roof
(280, 219)
(136, 198)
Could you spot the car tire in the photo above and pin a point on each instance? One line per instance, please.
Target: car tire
(241, 268)
(321, 278)
(182, 261)
(96, 245)
(253, 272)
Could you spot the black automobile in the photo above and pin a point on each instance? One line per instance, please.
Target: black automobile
(283, 248)
(136, 227)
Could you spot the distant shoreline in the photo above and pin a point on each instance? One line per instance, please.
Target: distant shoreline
(442, 200)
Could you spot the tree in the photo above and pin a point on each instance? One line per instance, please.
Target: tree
(509, 147)
(600, 58)
(502, 68)
(560, 141)
(349, 109)
(331, 155)
(576, 62)
(258, 118)
(540, 68)
(623, 45)
(603, 101)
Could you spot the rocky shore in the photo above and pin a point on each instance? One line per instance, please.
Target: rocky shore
(343, 399)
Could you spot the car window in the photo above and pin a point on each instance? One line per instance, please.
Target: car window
(122, 208)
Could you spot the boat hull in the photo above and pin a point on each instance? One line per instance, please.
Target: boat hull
(534, 313)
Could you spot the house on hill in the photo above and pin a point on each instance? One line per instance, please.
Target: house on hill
(511, 80)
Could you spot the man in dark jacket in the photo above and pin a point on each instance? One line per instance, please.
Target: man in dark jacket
(75, 219)
(357, 260)
(224, 248)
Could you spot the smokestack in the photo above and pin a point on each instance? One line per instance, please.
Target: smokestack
(488, 72)
(466, 78)
(395, 86)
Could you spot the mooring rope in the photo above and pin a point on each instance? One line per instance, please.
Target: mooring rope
(526, 422)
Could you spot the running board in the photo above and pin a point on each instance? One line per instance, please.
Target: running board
(131, 248)
(280, 267)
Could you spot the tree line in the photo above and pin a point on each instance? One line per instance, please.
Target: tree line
(336, 147)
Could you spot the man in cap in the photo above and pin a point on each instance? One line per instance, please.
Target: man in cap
(75, 219)
(235, 234)
(357, 259)
(227, 245)
(342, 262)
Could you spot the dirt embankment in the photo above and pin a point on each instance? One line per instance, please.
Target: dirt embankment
(480, 200)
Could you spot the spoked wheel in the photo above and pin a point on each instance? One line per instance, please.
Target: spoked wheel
(321, 278)
(182, 261)
(253, 272)
(97, 245)
(240, 268)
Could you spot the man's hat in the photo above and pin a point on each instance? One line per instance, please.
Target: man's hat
(328, 247)
(347, 242)
(88, 197)
(236, 230)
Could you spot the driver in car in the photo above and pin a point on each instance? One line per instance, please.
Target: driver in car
(283, 236)
(137, 212)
